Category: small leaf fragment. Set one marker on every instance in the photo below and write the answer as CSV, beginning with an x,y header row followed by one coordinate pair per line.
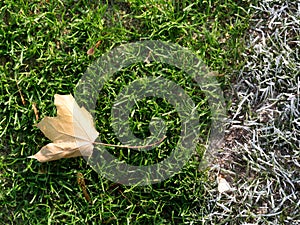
x,y
98,44
21,95
81,183
35,110
91,51
223,185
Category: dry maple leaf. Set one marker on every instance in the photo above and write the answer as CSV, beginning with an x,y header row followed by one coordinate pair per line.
x,y
72,131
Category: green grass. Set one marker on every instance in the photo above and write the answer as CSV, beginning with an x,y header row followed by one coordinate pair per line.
x,y
43,51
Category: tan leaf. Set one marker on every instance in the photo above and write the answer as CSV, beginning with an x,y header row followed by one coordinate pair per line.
x,y
72,131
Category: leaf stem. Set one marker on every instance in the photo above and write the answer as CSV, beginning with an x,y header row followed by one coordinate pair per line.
x,y
129,146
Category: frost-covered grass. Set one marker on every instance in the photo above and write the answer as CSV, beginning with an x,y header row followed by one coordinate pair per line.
x,y
263,139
